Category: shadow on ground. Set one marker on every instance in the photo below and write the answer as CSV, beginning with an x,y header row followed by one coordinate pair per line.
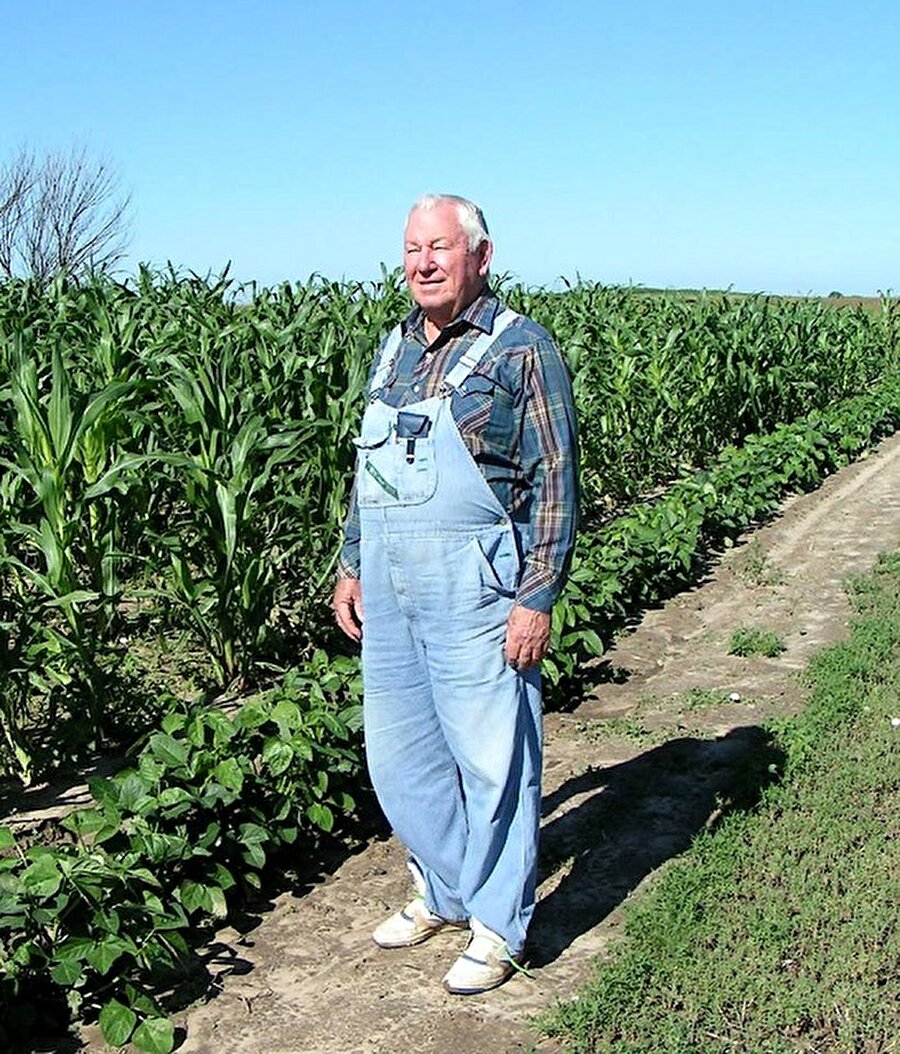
x,y
607,829
631,818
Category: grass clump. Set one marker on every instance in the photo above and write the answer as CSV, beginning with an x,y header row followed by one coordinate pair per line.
x,y
748,640
702,699
777,932
756,568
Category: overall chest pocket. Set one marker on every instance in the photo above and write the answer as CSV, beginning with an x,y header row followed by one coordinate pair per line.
x,y
396,466
483,406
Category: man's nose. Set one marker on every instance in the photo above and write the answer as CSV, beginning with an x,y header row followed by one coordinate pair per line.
x,y
425,260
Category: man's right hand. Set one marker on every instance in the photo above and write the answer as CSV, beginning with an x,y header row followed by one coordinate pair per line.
x,y
348,607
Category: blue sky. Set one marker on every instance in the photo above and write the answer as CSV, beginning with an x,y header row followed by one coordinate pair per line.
x,y
755,145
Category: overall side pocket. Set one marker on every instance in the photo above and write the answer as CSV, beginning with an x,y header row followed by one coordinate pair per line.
x,y
499,563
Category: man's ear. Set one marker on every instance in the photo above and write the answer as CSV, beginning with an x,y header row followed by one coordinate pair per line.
x,y
487,251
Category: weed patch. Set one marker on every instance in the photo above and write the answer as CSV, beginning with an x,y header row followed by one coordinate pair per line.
x,y
747,641
756,568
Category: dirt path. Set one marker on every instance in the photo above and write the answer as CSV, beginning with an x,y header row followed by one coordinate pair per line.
x,y
630,777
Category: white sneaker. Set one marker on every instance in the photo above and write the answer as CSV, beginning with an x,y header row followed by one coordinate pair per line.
x,y
411,925
485,964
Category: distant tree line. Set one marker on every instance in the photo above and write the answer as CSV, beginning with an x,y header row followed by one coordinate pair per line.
x,y
61,210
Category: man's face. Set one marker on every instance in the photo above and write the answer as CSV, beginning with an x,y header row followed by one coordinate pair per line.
x,y
443,275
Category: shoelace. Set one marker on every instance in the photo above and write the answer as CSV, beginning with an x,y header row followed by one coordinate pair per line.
x,y
519,968
502,951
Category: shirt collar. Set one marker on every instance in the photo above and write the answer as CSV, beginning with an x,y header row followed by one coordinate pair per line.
x,y
480,314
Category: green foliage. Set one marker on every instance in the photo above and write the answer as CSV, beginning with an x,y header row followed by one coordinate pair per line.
x,y
172,842
640,557
750,640
665,381
777,931
177,460
176,463
62,496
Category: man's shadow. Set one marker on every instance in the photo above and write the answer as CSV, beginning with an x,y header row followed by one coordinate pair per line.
x,y
633,817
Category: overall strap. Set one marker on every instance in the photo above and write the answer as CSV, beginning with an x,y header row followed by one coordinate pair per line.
x,y
386,359
470,359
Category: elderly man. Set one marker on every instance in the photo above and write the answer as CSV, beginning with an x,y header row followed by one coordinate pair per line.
x,y
456,546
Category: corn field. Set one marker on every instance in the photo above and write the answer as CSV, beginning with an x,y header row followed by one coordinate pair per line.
x,y
663,382
176,459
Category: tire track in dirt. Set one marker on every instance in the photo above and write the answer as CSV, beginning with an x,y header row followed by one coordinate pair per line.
x,y
308,979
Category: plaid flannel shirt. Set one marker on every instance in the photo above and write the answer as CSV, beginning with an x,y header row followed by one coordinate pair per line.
x,y
517,419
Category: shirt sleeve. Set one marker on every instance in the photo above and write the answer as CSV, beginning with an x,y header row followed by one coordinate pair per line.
x,y
348,561
549,453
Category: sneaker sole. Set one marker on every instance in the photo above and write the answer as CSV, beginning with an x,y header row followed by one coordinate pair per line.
x,y
480,988
420,938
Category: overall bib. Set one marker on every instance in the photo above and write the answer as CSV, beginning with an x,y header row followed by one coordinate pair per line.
x,y
453,733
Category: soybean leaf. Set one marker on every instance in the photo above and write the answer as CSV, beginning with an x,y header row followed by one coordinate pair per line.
x,y
154,1035
171,751
105,953
67,972
194,895
229,774
278,755
320,815
117,1023
42,878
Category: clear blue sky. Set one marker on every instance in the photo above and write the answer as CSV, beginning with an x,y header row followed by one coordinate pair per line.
x,y
672,144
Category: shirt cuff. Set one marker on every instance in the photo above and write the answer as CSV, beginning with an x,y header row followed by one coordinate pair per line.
x,y
345,569
539,588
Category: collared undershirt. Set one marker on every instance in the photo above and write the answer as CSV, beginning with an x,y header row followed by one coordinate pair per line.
x,y
516,416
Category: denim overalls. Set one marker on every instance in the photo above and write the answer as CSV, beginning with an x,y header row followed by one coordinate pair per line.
x,y
453,733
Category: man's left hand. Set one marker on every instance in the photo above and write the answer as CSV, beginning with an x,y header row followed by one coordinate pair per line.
x,y
527,637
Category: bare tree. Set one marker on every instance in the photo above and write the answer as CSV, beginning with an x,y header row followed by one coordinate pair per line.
x,y
63,211
16,184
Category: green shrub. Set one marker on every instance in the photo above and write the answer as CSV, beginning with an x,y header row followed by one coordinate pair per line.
x,y
749,640
172,842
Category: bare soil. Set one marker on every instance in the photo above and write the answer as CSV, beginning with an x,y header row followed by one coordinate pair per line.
x,y
631,775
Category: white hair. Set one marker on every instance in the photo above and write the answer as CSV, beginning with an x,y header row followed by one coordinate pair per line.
x,y
470,216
